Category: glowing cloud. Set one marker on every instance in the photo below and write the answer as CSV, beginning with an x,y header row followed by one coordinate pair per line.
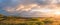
x,y
31,8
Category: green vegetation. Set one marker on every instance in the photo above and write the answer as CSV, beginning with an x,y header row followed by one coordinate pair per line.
x,y
15,20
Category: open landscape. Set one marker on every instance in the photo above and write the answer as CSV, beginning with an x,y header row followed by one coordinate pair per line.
x,y
29,12
13,20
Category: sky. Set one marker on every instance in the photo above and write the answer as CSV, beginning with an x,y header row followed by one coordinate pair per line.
x,y
29,8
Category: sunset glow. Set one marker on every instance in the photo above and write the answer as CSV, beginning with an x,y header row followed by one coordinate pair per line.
x,y
29,8
57,12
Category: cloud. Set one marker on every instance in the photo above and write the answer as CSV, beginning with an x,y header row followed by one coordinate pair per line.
x,y
26,7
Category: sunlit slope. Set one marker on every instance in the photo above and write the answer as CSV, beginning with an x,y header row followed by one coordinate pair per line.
x,y
20,20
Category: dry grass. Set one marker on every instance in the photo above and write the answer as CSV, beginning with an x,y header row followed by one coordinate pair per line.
x,y
27,21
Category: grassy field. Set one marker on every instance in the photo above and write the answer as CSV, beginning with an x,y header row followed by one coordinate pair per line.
x,y
17,20
28,21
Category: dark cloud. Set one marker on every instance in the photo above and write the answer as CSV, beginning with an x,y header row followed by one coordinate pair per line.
x,y
43,2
